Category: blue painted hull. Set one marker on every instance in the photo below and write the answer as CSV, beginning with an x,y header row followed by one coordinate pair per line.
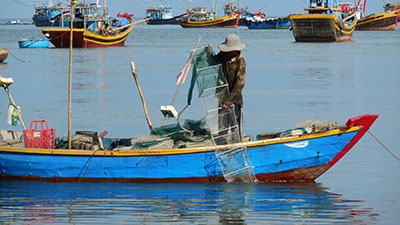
x,y
272,23
299,158
34,43
265,158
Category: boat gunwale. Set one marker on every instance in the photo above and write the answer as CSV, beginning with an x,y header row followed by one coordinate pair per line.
x,y
154,152
209,22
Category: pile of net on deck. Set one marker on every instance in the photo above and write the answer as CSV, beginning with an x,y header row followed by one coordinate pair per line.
x,y
193,133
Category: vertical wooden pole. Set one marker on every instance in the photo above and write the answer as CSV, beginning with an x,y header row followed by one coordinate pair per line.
x,y
146,112
71,40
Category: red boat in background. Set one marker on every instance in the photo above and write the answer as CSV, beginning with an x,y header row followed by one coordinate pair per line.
x,y
92,27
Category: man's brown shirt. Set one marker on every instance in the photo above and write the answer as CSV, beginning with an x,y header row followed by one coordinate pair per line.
x,y
235,72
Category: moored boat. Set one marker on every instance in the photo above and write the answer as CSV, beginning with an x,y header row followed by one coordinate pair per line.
x,y
50,15
324,22
161,15
275,159
382,21
33,43
230,9
3,54
92,28
199,18
197,151
259,21
391,6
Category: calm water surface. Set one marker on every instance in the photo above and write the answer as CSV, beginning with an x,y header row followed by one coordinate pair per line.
x,y
287,83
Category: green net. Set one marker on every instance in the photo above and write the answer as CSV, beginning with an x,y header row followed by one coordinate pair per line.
x,y
191,131
207,74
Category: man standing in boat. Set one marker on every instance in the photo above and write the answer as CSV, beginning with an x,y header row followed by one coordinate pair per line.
x,y
234,69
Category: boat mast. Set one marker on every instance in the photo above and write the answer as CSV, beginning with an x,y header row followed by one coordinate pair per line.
x,y
365,3
73,3
214,7
105,9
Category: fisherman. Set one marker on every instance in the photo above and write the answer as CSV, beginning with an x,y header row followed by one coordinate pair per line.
x,y
234,69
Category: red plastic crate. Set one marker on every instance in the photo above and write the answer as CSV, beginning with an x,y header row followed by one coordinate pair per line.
x,y
44,138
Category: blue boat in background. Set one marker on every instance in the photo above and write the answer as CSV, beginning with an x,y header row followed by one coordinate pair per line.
x,y
259,21
33,43
161,16
50,15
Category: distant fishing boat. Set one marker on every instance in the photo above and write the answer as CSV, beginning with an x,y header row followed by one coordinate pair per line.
x,y
92,28
382,21
161,15
324,22
50,15
3,54
260,21
231,9
33,43
199,18
391,6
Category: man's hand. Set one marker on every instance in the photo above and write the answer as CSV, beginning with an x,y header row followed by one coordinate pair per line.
x,y
209,49
225,106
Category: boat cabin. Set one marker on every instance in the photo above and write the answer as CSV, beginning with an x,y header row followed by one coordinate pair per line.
x,y
200,14
156,13
322,6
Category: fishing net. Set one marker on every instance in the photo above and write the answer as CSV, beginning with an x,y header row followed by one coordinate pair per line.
x,y
207,75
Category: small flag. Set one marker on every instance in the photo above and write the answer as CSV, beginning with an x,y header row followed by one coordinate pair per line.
x,y
180,79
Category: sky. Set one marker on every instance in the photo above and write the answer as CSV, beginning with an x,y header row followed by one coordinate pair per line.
x,y
13,9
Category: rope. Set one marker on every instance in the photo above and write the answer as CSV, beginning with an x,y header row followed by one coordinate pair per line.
x,y
16,57
387,149
87,164
19,2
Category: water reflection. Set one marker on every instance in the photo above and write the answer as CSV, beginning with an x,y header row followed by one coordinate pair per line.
x,y
177,203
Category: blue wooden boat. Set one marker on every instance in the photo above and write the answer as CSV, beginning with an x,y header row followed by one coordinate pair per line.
x,y
269,23
50,15
33,43
295,158
161,15
197,151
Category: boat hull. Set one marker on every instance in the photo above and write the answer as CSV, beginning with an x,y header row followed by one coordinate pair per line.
x,y
272,23
383,21
34,43
60,38
291,159
230,21
3,54
171,21
320,28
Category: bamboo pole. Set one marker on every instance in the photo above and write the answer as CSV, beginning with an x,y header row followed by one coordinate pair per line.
x,y
179,85
73,3
16,108
133,68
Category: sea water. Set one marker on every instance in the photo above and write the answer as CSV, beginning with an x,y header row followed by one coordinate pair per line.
x,y
287,84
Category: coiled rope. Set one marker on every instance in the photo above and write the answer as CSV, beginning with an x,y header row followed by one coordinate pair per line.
x,y
386,148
